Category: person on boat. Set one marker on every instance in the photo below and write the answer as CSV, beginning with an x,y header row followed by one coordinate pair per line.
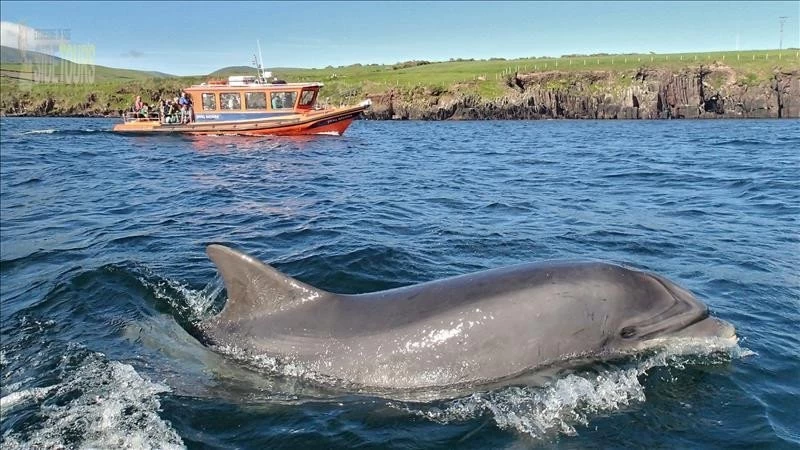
x,y
144,111
233,102
174,111
137,104
276,102
164,110
186,108
288,101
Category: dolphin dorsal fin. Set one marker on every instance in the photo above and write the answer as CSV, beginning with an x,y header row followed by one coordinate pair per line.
x,y
256,289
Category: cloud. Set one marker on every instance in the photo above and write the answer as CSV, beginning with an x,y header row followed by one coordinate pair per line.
x,y
132,54
23,37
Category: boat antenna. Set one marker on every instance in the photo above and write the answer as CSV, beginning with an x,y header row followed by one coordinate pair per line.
x,y
261,73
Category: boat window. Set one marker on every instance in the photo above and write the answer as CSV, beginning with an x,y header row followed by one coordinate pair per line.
x,y
230,100
281,100
307,97
209,102
255,100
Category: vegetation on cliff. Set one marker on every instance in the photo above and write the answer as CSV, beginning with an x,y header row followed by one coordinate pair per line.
x,y
570,86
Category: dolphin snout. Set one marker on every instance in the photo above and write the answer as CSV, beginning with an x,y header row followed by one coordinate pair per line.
x,y
709,327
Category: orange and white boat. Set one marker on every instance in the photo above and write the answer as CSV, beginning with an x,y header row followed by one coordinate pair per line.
x,y
250,106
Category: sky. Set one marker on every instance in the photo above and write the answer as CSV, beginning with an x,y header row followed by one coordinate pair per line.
x,y
189,38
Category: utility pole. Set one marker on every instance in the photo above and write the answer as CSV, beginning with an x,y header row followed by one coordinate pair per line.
x,y
782,20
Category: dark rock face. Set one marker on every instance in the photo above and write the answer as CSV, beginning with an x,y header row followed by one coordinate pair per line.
x,y
704,92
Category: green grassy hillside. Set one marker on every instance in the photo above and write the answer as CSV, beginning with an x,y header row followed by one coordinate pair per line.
x,y
486,77
109,89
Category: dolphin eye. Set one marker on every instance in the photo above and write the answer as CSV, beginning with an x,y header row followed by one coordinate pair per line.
x,y
628,332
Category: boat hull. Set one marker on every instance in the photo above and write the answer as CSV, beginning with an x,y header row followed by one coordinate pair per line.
x,y
333,122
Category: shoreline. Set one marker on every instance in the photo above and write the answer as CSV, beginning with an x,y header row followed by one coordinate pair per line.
x,y
698,92
563,119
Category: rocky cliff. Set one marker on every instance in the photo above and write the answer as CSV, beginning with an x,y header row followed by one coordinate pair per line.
x,y
713,91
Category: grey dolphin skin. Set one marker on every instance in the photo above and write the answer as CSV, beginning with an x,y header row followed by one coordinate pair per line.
x,y
466,330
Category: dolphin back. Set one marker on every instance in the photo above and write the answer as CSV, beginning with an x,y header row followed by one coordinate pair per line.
x,y
256,289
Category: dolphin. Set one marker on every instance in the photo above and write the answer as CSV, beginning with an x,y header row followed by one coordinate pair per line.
x,y
468,330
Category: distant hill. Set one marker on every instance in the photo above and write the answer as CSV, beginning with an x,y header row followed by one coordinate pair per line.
x,y
156,74
14,56
13,64
233,70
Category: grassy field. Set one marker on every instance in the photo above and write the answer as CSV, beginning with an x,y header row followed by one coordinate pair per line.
x,y
485,78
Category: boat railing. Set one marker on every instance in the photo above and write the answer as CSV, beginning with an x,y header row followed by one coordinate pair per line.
x,y
155,116
130,116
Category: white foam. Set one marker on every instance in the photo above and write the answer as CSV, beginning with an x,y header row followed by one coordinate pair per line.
x,y
100,405
48,131
573,400
17,398
3,359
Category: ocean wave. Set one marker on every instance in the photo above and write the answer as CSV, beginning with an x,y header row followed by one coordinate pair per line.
x,y
740,142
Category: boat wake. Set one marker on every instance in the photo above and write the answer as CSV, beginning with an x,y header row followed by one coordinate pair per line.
x,y
47,131
64,132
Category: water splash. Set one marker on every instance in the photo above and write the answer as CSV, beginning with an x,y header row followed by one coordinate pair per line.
x,y
575,399
194,305
101,404
201,302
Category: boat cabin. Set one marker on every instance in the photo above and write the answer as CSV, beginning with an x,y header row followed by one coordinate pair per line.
x,y
245,98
